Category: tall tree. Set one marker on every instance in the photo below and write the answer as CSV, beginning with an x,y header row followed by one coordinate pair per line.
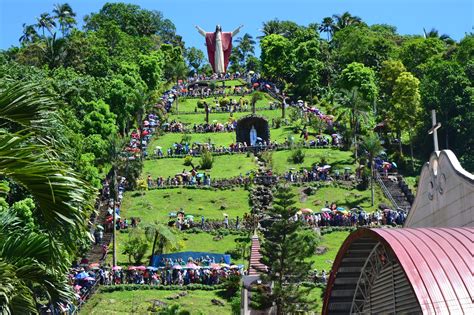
x,y
361,77
162,238
195,58
45,21
327,26
352,111
285,251
34,262
276,57
406,106
29,34
371,147
344,20
416,51
246,46
65,16
389,73
277,27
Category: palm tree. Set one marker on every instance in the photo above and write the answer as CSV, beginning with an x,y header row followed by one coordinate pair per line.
x,y
177,70
434,33
54,51
115,149
344,20
65,16
29,34
27,266
34,261
246,45
45,21
256,96
353,109
271,27
327,26
163,238
372,147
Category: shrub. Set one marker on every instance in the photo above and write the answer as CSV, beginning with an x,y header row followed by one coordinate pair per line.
x,y
277,122
297,156
206,160
224,101
231,286
188,161
200,104
186,138
136,246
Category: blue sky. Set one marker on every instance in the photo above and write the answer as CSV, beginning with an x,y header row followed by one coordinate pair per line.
x,y
452,17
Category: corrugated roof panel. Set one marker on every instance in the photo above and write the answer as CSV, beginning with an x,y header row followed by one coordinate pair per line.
x,y
438,263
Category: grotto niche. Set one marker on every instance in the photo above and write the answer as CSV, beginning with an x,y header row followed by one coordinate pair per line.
x,y
252,128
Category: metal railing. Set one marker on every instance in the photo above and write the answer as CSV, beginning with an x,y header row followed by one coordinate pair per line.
x,y
386,192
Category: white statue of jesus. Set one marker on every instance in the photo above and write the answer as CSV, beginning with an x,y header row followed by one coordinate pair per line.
x,y
253,136
219,46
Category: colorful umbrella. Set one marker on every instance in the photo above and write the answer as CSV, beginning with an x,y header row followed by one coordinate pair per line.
x,y
306,210
177,267
132,268
82,275
116,268
325,210
215,266
141,268
192,266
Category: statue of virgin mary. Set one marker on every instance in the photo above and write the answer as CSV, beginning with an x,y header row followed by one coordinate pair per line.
x,y
253,136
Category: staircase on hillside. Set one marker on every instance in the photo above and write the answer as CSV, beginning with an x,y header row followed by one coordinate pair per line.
x,y
396,190
95,253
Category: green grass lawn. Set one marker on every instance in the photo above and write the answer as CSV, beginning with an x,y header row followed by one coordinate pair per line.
x,y
156,204
200,118
203,242
347,198
317,301
224,166
332,241
336,158
190,104
139,302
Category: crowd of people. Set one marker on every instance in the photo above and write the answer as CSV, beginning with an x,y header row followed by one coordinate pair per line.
x,y
317,173
174,275
332,215
175,126
195,149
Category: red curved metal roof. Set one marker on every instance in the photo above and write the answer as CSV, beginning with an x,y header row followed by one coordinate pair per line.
x,y
437,262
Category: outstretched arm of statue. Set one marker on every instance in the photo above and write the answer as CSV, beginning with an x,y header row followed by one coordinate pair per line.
x,y
237,30
201,31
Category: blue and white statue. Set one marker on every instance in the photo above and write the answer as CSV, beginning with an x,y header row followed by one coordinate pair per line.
x,y
253,136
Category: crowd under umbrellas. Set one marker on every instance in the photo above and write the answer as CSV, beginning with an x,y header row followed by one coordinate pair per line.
x,y
84,277
334,215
